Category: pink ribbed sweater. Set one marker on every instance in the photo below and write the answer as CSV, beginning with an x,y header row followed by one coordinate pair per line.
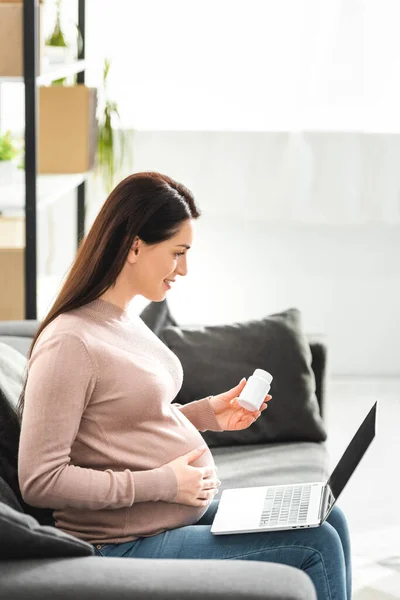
x,y
99,427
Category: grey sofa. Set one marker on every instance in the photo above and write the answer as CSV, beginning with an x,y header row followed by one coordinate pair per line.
x,y
250,465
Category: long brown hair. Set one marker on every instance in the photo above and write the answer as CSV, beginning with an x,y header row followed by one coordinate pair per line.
x,y
149,205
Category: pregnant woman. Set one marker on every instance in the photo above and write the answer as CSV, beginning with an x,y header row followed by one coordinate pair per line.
x,y
102,442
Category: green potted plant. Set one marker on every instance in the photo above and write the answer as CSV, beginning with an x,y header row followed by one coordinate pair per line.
x,y
112,145
57,49
64,44
8,155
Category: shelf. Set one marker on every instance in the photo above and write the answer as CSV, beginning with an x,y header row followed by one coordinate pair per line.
x,y
49,189
52,72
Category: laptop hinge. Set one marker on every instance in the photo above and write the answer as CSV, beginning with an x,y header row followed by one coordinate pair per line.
x,y
322,504
325,504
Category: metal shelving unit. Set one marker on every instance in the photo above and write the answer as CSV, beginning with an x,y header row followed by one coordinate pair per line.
x,y
41,190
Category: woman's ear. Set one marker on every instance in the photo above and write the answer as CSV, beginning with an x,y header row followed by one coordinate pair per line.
x,y
134,251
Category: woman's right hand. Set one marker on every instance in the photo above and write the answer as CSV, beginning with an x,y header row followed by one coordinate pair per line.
x,y
196,485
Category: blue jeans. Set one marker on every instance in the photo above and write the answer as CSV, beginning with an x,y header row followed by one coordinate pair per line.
x,y
321,552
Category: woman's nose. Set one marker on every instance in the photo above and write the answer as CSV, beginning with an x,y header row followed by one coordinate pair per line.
x,y
182,269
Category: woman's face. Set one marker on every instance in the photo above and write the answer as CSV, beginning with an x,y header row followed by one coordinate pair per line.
x,y
152,265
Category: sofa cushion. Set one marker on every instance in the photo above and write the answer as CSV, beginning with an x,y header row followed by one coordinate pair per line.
x,y
157,315
12,374
215,358
12,370
22,536
271,464
9,441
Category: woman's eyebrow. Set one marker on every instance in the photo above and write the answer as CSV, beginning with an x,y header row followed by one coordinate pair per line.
x,y
184,245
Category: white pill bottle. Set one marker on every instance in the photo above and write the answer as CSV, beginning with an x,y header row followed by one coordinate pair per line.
x,y
255,390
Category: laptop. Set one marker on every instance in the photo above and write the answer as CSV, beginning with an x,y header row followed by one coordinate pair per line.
x,y
291,506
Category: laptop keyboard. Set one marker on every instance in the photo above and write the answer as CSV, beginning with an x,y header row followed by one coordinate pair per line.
x,y
285,505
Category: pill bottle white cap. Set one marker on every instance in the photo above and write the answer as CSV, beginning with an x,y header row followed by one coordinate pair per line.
x,y
263,375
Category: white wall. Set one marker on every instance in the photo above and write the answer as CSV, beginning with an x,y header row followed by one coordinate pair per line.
x,y
345,282
344,279
268,239
332,248
250,65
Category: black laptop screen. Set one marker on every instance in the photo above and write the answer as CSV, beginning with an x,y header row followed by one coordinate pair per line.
x,y
354,453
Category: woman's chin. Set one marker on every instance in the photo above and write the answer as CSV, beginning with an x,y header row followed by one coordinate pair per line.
x,y
157,297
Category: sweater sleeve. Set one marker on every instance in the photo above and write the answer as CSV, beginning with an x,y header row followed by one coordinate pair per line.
x,y
61,380
200,413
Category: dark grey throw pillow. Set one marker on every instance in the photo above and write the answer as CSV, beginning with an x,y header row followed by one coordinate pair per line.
x,y
157,316
215,358
23,537
12,372
8,497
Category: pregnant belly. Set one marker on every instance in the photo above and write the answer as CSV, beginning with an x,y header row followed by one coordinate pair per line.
x,y
151,518
145,518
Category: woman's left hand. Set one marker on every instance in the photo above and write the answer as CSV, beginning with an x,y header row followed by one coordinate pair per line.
x,y
229,414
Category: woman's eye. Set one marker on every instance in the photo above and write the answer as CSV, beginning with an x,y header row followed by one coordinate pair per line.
x,y
179,253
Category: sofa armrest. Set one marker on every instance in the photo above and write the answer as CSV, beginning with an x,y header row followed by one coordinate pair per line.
x,y
26,328
109,578
319,359
18,334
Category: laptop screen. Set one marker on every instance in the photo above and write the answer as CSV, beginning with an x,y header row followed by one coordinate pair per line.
x,y
354,453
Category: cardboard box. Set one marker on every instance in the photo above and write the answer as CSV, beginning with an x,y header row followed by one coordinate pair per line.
x,y
67,129
12,268
12,232
12,298
12,41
